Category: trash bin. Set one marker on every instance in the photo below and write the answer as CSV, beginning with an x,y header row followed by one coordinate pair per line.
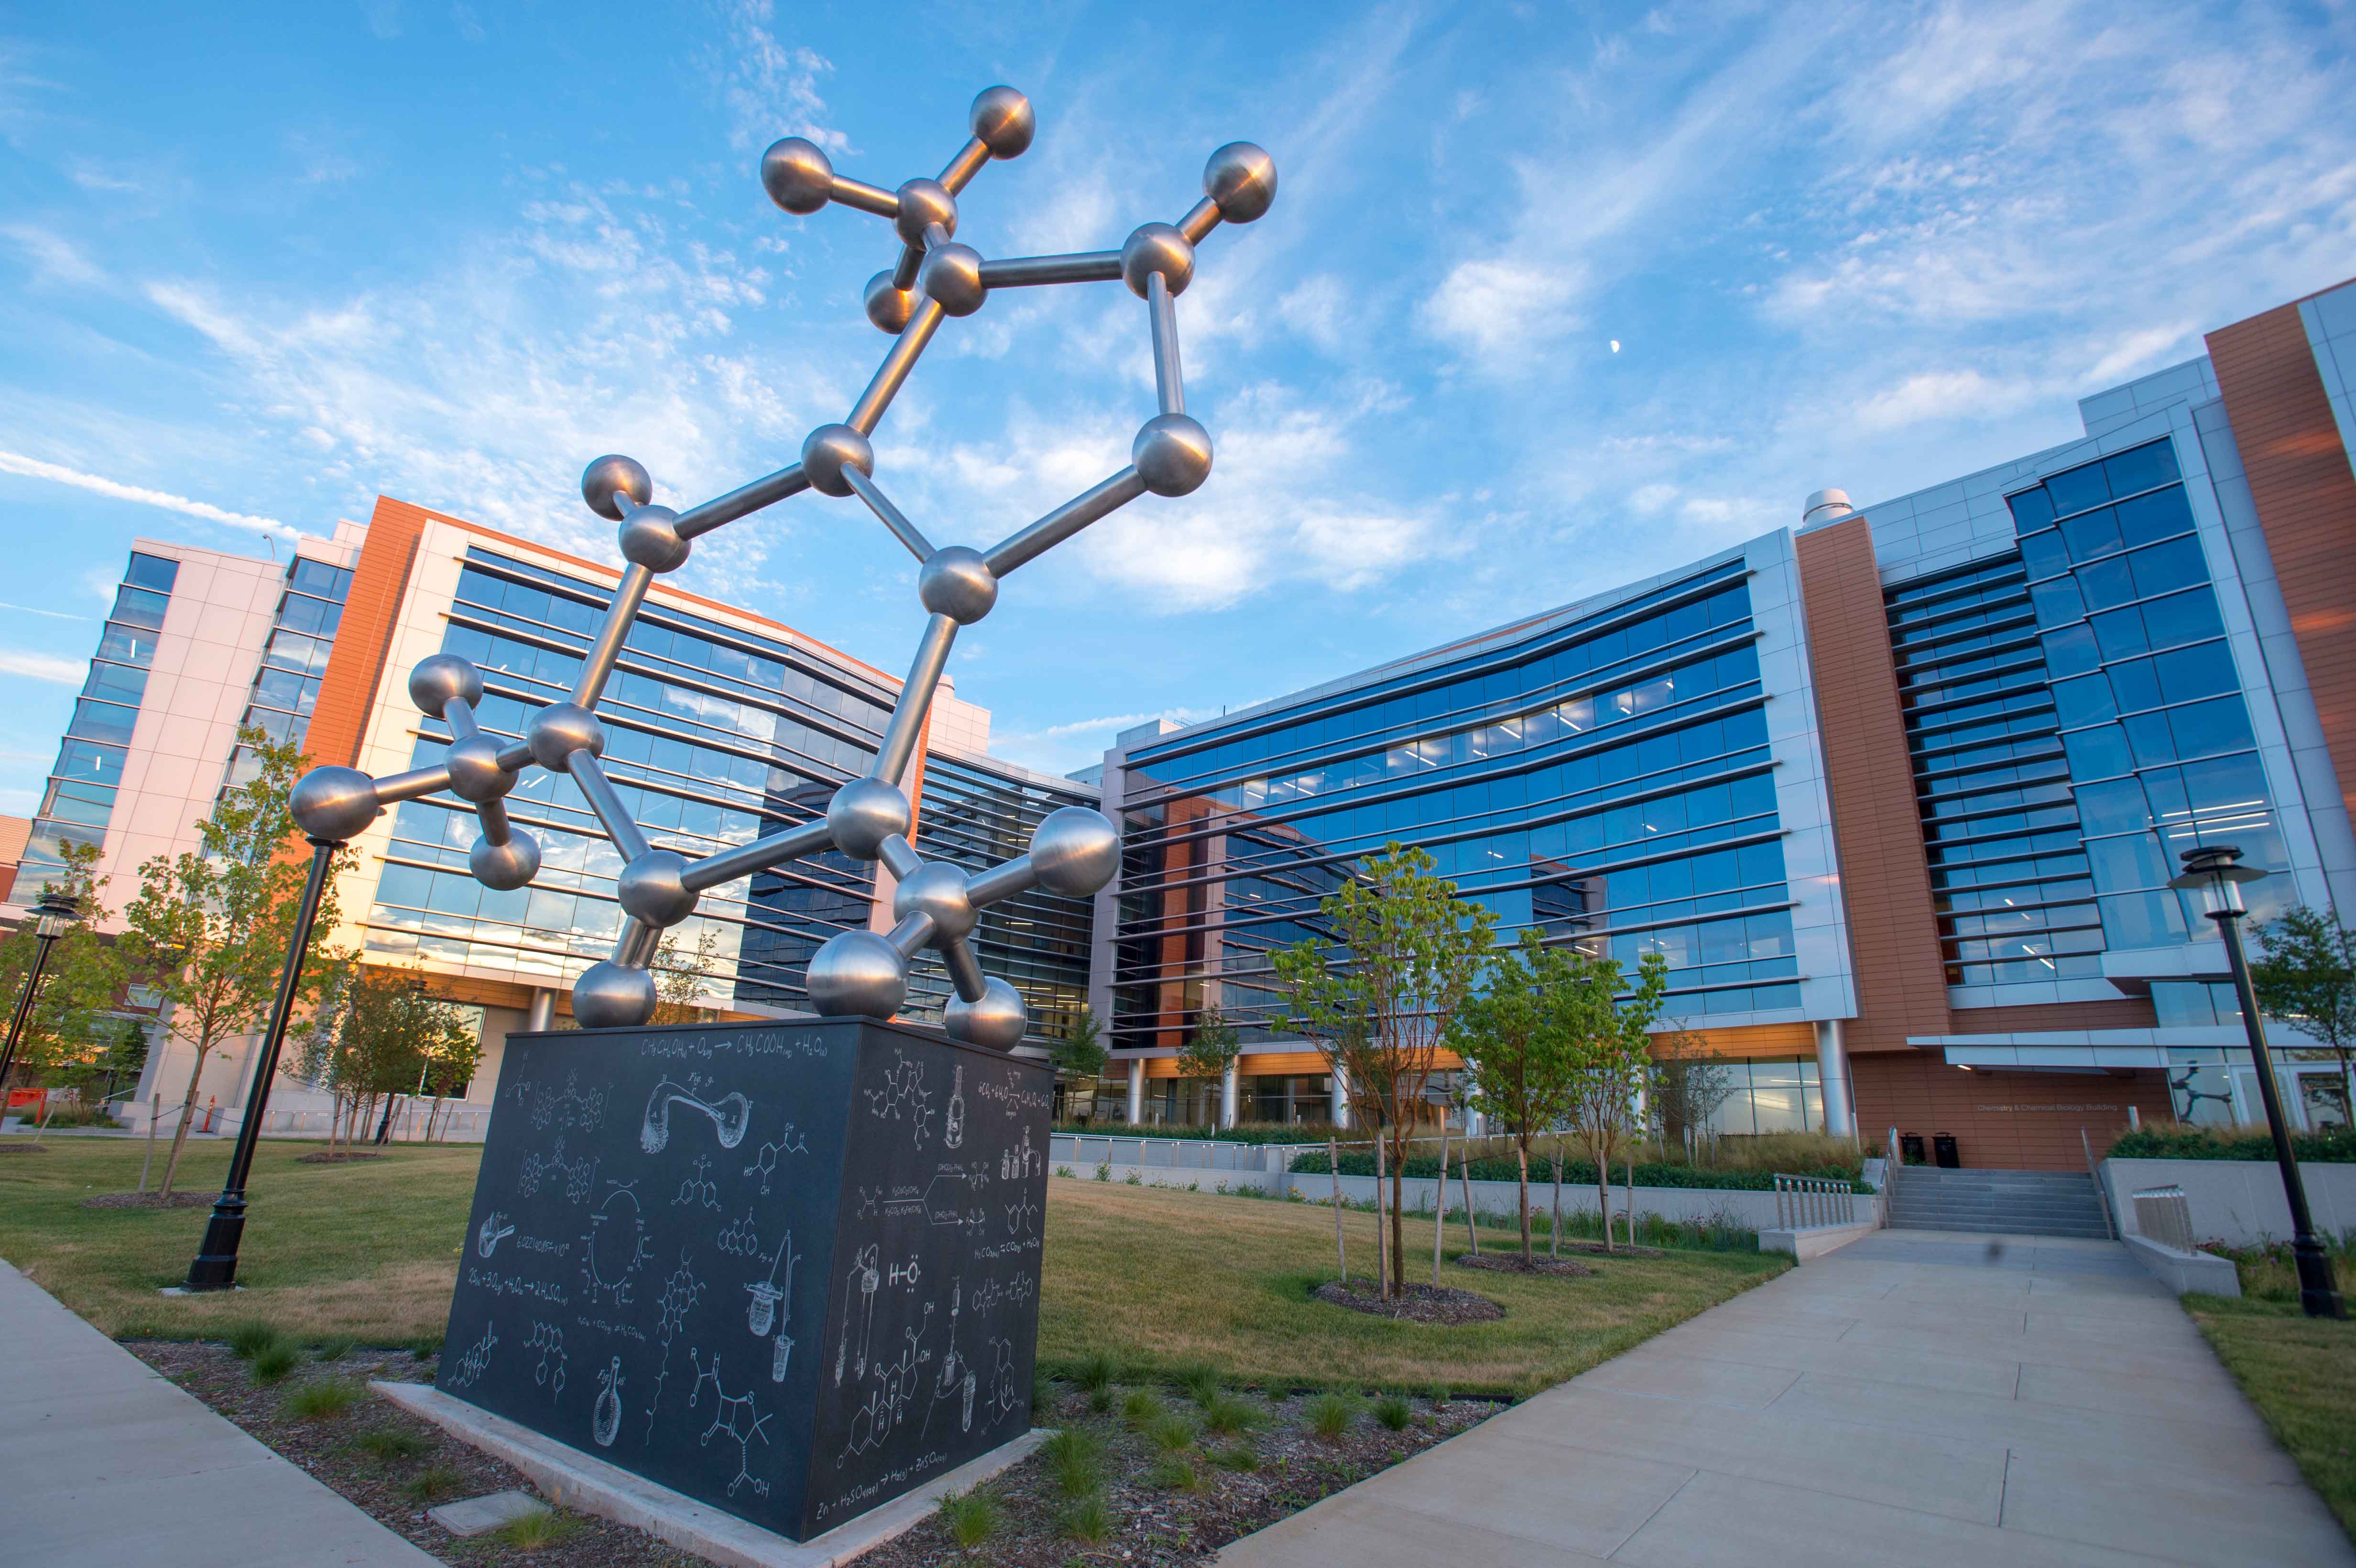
x,y
1945,1143
1910,1147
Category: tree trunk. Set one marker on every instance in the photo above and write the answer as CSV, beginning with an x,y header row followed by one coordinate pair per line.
x,y
1439,1202
188,1115
1603,1189
1522,1157
1382,1239
1629,1213
1398,1214
1472,1220
1341,1248
1554,1237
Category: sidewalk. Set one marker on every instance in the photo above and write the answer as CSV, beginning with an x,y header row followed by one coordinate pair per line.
x,y
1911,1397
108,1463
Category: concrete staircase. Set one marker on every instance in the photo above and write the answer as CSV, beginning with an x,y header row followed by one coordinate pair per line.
x,y
2006,1202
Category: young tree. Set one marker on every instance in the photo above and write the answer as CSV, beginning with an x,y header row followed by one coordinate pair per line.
x,y
678,980
209,930
1690,1081
74,1019
1210,1050
1079,1057
1407,951
381,1035
2308,978
1512,1039
1608,1048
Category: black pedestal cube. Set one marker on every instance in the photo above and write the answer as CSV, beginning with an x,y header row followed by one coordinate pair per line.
x,y
790,1270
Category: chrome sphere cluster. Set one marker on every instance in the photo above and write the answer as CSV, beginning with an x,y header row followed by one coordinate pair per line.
x,y
933,904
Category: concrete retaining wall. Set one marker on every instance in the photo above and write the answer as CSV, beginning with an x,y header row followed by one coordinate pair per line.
x,y
2236,1202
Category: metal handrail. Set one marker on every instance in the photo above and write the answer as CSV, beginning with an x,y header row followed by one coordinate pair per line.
x,y
1802,1201
2102,1194
2164,1214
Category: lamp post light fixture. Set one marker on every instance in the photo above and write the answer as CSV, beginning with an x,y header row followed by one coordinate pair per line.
x,y
53,912
2215,871
215,1264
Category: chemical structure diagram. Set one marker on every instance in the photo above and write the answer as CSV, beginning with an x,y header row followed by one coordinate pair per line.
x,y
580,1176
862,1280
1021,1217
699,1189
738,1238
569,1108
765,1164
680,1292
886,1405
477,1358
903,1097
549,1340
1074,850
734,1415
615,1248
957,1378
871,1200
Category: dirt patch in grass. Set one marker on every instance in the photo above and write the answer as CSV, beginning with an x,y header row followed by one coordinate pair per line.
x,y
395,1491
22,1148
338,1157
150,1201
1420,1304
1513,1263
1152,1517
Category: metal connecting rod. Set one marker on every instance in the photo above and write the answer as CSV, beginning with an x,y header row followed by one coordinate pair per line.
x,y
915,697
868,411
415,783
599,663
965,969
1001,882
907,532
1063,522
635,947
898,856
864,196
965,166
515,754
598,791
1025,271
493,816
760,855
910,935
697,521
1169,383
1200,219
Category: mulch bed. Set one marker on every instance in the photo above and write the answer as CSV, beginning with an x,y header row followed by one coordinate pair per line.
x,y
1513,1263
1421,1304
149,1200
325,1158
326,1447
1155,1521
1156,1525
22,1148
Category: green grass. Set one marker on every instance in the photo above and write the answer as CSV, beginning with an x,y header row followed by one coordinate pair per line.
x,y
1176,1472
537,1531
1142,1407
1171,1433
1393,1414
321,1398
970,1518
1224,1415
1075,1457
1089,1520
1175,1279
335,1348
1237,1456
251,1337
2300,1372
1200,1379
391,1443
1329,1414
433,1484
274,1361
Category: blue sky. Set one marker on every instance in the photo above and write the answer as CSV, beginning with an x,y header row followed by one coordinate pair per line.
x,y
259,265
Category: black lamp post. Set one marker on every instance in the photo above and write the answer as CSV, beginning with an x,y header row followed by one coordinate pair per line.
x,y
52,913
215,1267
2215,871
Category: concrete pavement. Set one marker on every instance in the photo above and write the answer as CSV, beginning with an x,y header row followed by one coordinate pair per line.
x,y
109,1463
1918,1397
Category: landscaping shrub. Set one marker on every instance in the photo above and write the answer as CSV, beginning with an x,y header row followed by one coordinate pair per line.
x,y
1075,1457
1393,1413
275,1361
1176,1472
391,1443
320,1398
2269,1273
433,1483
251,1337
1201,1382
1097,1372
1172,1433
1581,1173
537,1531
1241,1133
1089,1520
1227,1415
2335,1146
333,1348
1140,1407
1329,1414
1238,1456
970,1518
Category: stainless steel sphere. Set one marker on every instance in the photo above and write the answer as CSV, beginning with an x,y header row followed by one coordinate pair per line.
x,y
650,538
924,202
438,677
937,889
797,175
1172,453
956,583
608,996
651,888
1241,178
561,729
475,770
1157,248
827,449
611,474
951,276
857,973
1003,121
889,307
862,814
333,802
997,1021
1075,851
504,867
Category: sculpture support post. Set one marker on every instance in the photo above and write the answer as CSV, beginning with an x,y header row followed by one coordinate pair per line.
x,y
215,1266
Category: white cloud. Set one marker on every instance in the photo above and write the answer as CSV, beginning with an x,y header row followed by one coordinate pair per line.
x,y
34,468
52,614
1498,309
770,88
42,667
56,259
1066,748
1949,395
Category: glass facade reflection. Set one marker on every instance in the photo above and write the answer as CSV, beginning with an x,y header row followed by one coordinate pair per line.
x,y
295,661
1607,780
2156,732
80,796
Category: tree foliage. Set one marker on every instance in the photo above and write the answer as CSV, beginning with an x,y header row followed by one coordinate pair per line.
x,y
1690,1083
1610,1045
2306,978
1079,1056
381,1035
76,1024
209,929
678,980
1379,1000
1513,1038
1212,1049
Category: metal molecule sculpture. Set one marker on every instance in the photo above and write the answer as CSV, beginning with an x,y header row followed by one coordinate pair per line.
x,y
934,904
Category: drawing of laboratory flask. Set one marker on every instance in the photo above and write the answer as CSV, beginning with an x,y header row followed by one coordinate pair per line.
x,y
783,1353
762,1310
607,1417
953,1133
966,1424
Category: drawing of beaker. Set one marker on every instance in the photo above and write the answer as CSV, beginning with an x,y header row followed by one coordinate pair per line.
x,y
967,1425
762,1310
783,1353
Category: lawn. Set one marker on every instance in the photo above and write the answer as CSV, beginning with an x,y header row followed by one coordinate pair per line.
x,y
2299,1371
1157,1278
